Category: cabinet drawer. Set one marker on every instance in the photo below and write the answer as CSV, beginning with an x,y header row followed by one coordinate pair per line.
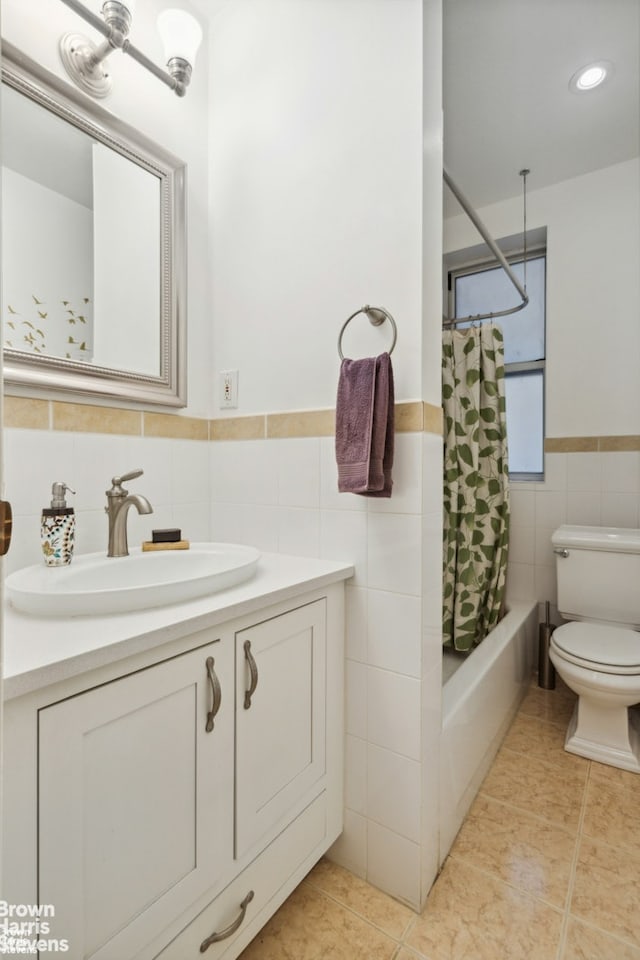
x,y
265,877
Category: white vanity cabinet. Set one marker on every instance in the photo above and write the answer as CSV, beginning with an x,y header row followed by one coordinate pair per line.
x,y
288,770
167,803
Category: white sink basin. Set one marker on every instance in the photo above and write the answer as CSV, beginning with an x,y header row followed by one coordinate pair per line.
x,y
96,584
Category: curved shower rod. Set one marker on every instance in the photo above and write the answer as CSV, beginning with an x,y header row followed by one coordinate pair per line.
x,y
495,249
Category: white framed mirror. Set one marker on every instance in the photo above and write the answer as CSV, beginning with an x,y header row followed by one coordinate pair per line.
x,y
93,247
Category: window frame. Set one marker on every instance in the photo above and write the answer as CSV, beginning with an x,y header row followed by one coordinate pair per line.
x,y
530,366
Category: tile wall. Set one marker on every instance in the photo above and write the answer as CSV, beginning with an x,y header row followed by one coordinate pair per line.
x,y
86,446
599,487
280,494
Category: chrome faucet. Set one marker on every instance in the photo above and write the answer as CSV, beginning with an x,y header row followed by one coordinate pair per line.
x,y
119,501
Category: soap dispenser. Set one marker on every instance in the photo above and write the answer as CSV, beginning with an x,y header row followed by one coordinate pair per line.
x,y
58,528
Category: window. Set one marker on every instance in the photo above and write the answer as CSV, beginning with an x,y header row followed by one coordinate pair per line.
x,y
486,288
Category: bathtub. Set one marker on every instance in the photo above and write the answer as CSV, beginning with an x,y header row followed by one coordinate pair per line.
x,y
479,701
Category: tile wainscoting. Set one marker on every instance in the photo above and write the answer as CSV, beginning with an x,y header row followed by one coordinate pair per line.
x,y
278,490
35,414
588,480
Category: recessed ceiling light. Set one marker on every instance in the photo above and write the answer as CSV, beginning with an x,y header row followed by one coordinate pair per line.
x,y
591,76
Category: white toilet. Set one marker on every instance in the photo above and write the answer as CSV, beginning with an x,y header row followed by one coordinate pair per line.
x,y
598,654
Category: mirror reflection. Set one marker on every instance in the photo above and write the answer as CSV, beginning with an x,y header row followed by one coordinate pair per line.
x,y
47,233
77,217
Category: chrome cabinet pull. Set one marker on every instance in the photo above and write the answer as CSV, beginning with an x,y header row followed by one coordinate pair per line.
x,y
253,671
216,693
231,929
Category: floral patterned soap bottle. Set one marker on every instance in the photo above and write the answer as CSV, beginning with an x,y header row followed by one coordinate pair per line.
x,y
58,528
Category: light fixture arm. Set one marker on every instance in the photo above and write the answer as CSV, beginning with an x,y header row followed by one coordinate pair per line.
x,y
177,65
115,27
81,57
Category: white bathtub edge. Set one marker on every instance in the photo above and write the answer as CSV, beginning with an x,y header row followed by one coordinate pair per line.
x,y
478,705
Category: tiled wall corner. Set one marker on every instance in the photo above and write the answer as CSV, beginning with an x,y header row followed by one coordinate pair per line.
x,y
393,863
281,494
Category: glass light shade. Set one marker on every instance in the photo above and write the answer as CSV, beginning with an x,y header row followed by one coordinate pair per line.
x,y
181,35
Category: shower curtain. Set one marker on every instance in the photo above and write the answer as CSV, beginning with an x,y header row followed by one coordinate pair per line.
x,y
476,484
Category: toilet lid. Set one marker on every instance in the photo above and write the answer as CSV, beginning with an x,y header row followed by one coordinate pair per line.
x,y
600,645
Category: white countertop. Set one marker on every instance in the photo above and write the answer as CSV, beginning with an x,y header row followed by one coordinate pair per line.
x,y
40,651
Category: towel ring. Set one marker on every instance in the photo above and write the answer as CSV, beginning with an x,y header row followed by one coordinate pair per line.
x,y
377,316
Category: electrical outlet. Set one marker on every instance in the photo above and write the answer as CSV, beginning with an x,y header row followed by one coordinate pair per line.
x,y
228,389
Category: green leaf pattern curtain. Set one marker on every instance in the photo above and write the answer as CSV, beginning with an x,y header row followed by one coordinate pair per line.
x,y
476,484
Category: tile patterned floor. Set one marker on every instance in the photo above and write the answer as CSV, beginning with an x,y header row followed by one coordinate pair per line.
x,y
545,867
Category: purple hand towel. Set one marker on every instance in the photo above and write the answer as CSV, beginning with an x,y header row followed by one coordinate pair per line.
x,y
365,426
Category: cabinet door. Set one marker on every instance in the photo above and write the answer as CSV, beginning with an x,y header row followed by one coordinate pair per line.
x,y
280,720
136,801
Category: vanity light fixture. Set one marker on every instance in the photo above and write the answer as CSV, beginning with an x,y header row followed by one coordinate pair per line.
x,y
85,61
591,76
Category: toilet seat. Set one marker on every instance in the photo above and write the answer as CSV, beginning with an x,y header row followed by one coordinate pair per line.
x,y
614,650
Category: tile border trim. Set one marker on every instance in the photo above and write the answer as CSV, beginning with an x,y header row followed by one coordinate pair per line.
x,y
413,416
84,418
26,413
30,413
612,444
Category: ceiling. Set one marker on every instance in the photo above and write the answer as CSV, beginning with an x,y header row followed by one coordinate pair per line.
x,y
507,103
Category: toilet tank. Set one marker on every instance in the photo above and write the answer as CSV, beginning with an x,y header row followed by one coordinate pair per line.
x,y
598,574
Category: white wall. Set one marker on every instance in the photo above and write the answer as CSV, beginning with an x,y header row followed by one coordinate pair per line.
x,y
593,292
175,481
315,192
317,208
179,125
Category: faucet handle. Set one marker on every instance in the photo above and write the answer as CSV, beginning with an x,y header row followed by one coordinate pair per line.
x,y
118,481
117,490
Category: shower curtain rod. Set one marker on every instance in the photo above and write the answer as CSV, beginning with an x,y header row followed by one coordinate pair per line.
x,y
495,249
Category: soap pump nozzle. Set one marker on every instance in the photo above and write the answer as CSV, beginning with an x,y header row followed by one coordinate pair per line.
x,y
58,495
